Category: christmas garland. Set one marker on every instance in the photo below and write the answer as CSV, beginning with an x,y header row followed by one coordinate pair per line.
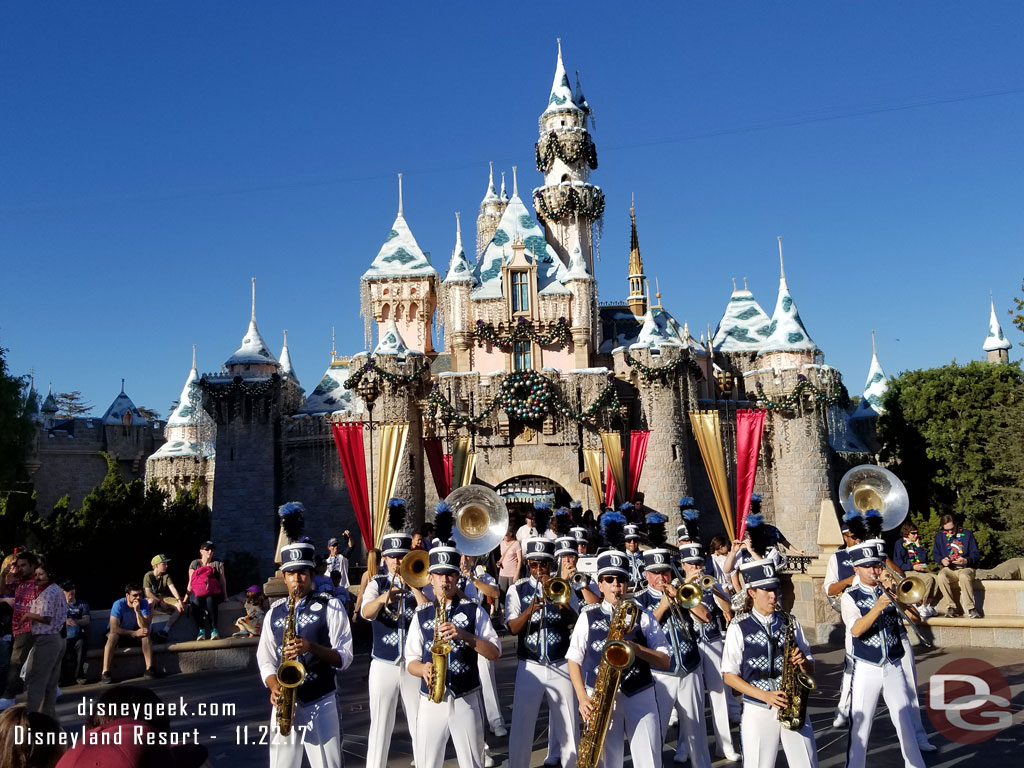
x,y
790,401
525,396
219,390
522,330
650,372
572,203
396,379
579,145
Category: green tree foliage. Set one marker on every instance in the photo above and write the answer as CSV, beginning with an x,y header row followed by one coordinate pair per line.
x,y
71,405
1018,312
110,539
954,434
16,427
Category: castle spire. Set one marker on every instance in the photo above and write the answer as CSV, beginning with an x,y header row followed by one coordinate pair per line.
x,y
253,316
286,360
561,98
637,300
491,195
782,266
996,345
193,357
459,269
515,183
744,325
870,404
504,194
786,332
399,194
253,350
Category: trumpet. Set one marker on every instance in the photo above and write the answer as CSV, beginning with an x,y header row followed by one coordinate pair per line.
x,y
581,580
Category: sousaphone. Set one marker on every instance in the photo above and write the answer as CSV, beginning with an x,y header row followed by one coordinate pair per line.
x,y
872,487
481,519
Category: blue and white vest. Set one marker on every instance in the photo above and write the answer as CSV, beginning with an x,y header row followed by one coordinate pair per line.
x,y
391,625
681,640
762,661
545,638
843,568
463,673
311,624
883,640
711,631
637,677
636,567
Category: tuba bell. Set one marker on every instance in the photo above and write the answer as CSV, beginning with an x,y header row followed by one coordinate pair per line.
x,y
481,519
871,487
413,569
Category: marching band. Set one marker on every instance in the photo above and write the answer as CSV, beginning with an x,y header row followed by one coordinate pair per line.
x,y
618,652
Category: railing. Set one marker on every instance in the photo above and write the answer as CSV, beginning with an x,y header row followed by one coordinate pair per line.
x,y
795,563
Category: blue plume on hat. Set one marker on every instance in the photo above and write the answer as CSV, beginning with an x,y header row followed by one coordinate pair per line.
x,y
576,504
613,528
855,522
396,514
444,520
758,533
873,524
686,502
562,521
541,516
691,520
293,519
656,528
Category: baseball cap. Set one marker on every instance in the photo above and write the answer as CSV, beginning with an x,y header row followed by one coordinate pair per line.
x,y
157,559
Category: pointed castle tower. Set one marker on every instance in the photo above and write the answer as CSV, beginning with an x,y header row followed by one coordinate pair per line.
x,y
637,299
996,346
491,208
455,289
401,285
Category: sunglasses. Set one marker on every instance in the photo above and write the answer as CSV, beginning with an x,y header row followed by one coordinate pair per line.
x,y
613,579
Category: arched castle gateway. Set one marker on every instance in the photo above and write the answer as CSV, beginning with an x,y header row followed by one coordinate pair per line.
x,y
532,368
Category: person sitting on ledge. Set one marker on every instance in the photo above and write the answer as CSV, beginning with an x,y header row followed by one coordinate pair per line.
x,y
129,624
957,552
1012,569
910,556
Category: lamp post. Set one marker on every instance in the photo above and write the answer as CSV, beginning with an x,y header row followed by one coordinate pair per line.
x,y
368,391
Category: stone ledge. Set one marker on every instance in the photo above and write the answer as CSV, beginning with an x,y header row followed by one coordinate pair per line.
x,y
986,621
180,658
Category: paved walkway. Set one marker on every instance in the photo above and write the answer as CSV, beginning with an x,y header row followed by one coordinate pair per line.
x,y
221,732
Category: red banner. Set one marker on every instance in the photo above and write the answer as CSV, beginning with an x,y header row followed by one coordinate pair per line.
x,y
749,428
609,486
348,437
440,465
637,453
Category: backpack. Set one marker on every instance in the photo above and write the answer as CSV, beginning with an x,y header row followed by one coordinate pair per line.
x,y
204,581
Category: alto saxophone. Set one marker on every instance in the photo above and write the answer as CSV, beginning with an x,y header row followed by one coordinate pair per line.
x,y
290,673
617,657
797,685
439,651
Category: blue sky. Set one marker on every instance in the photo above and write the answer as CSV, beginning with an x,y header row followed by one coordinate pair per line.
x,y
155,156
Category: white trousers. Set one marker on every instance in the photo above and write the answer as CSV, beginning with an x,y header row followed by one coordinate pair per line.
x,y
888,680
535,683
489,691
909,666
463,719
686,695
388,683
761,733
725,707
634,718
316,730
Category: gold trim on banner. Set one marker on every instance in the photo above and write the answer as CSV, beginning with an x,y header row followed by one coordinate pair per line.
x,y
389,459
708,431
612,442
592,461
463,462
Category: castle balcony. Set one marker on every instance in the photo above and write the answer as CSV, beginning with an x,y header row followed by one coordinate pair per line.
x,y
567,198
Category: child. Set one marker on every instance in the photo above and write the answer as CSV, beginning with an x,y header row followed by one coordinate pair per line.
x,y
255,607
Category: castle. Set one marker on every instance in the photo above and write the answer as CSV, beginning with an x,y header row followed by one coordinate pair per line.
x,y
532,370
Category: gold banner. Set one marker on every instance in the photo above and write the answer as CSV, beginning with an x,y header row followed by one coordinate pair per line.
x,y
592,461
612,442
390,451
463,462
708,431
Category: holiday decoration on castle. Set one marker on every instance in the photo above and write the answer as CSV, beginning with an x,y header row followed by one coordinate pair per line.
x,y
569,148
403,381
219,390
590,206
522,330
804,389
651,372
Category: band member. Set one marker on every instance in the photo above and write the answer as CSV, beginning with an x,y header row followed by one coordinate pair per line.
x,y
567,557
543,630
680,687
635,557
838,577
580,535
322,644
467,628
957,552
874,626
711,643
476,584
389,607
635,709
689,529
753,665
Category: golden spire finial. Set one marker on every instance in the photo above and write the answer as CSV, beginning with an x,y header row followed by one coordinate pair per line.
x,y
657,291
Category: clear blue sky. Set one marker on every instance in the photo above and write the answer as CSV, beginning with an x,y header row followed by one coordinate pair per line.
x,y
154,156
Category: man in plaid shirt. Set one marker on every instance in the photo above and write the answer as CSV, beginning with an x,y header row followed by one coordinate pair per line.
x,y
25,591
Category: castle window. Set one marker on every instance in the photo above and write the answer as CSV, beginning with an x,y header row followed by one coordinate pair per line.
x,y
521,357
520,292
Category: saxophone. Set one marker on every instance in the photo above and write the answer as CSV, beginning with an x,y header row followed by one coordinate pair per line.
x,y
617,657
439,651
290,673
796,684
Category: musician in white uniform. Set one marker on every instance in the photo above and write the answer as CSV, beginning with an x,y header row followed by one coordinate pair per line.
x,y
476,584
753,665
322,644
634,714
877,648
636,557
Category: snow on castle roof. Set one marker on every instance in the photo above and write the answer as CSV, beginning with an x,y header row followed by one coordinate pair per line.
x,y
870,404
995,339
189,412
330,395
400,255
660,329
786,332
392,343
115,415
254,350
459,270
286,361
744,325
561,98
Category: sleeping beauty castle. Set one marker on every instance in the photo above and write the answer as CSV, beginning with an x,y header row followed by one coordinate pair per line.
x,y
539,390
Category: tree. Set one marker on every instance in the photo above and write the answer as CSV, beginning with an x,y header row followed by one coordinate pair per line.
x,y
17,430
1018,316
954,436
148,413
71,404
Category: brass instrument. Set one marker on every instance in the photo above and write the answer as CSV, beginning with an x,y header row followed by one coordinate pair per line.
x,y
796,684
439,651
557,591
906,590
617,657
290,673
870,487
413,570
581,580
689,596
481,519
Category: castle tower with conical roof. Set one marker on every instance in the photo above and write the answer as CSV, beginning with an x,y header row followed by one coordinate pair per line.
x,y
491,208
637,299
455,289
996,346
253,358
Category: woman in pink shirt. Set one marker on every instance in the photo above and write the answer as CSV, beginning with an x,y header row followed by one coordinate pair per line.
x,y
508,563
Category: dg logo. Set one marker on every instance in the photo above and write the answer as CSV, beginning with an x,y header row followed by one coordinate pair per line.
x,y
616,561
443,558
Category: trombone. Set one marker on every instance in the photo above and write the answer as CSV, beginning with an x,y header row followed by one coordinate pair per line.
x,y
906,590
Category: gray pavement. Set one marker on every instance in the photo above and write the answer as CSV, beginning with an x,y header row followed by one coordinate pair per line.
x,y
223,733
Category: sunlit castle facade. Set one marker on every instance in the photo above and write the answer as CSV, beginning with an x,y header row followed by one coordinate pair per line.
x,y
532,370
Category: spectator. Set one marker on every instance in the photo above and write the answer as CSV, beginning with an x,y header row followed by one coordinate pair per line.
x,y
22,579
1008,569
719,552
427,534
957,552
255,608
321,581
129,625
336,560
526,531
509,563
46,615
207,586
162,595
910,557
417,541
372,569
73,664
339,590
15,752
